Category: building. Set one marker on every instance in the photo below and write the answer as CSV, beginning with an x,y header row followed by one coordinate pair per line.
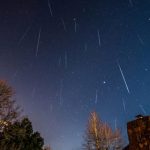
x,y
139,133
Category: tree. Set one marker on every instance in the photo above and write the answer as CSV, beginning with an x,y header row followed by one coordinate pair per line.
x,y
100,136
20,136
9,111
47,148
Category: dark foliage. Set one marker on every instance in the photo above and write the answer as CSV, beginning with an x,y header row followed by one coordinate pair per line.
x,y
20,136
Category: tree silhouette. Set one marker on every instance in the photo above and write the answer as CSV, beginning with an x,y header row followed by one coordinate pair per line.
x,y
100,136
20,136
9,111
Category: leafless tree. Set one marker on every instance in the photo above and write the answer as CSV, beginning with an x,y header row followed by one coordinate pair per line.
x,y
100,136
9,111
47,148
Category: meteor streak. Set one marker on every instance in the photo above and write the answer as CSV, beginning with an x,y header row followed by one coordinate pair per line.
x,y
123,77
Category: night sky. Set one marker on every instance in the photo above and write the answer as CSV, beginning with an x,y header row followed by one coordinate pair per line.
x,y
66,58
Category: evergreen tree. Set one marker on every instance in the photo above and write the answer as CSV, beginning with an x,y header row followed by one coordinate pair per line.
x,y
20,136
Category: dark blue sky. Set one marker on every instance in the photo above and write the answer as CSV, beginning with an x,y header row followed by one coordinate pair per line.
x,y
62,57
